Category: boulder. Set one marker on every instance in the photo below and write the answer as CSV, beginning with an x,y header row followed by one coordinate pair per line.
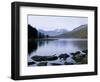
x,y
80,59
77,58
85,51
44,58
68,63
72,53
63,56
42,64
77,52
55,64
31,63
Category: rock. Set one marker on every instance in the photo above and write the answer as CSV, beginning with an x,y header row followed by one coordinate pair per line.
x,y
44,58
84,60
55,64
77,58
85,51
31,63
42,64
78,52
80,59
83,55
68,63
63,56
72,53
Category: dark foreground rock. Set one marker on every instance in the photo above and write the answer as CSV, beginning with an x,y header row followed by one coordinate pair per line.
x,y
63,56
81,58
77,52
42,64
44,58
31,63
84,60
85,51
68,63
55,64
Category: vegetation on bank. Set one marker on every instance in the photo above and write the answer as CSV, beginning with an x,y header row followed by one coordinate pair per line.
x,y
34,34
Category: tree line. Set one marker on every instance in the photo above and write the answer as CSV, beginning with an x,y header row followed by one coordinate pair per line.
x,y
34,33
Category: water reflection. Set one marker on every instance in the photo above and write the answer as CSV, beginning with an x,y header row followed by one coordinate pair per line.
x,y
64,45
33,45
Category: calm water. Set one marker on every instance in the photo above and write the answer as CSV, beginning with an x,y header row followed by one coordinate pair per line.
x,y
56,47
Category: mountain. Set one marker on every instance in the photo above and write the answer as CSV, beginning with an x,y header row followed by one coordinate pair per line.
x,y
53,32
79,32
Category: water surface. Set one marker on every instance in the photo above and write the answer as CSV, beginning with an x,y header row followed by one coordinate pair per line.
x,y
55,47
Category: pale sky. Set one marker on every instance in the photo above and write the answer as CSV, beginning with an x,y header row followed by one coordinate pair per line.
x,y
56,22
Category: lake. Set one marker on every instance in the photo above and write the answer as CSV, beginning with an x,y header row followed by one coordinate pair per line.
x,y
55,47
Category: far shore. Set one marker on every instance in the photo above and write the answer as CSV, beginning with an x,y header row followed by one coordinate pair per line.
x,y
58,38
43,39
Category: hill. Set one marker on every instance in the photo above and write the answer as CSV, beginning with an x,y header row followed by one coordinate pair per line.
x,y
79,32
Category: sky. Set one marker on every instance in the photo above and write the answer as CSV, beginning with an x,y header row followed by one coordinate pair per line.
x,y
56,22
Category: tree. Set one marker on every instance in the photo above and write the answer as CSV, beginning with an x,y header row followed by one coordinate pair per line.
x,y
32,32
47,36
40,35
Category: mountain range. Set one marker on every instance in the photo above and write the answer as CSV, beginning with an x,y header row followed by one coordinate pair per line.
x,y
79,32
53,32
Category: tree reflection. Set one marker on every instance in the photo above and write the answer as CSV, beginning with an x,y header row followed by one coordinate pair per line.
x,y
32,46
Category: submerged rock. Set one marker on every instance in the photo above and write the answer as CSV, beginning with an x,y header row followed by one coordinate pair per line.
x,y
31,63
44,58
42,64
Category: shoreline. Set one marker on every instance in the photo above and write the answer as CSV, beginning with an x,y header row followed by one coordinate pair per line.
x,y
59,38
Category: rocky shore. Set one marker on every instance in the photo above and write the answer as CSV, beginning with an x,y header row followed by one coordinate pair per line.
x,y
80,57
